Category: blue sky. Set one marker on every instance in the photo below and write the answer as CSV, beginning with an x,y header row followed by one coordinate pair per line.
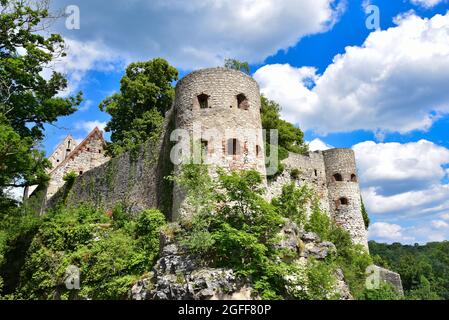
x,y
383,93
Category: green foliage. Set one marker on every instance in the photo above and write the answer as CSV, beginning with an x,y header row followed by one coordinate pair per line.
x,y
290,137
27,100
321,280
319,222
18,226
70,177
236,228
110,254
351,259
295,173
293,201
385,292
137,112
365,215
237,65
423,268
20,163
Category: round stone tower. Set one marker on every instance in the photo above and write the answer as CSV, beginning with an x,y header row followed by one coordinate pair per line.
x,y
344,193
220,110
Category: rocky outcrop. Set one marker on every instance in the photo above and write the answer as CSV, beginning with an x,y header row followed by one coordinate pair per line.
x,y
179,276
308,245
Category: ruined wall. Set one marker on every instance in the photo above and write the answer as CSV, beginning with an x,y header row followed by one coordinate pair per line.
x,y
341,199
134,179
311,172
88,156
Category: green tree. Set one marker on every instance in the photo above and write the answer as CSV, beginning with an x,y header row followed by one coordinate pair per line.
x,y
365,215
290,137
28,101
137,111
237,65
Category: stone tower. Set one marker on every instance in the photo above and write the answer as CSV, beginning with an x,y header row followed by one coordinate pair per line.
x,y
344,192
220,109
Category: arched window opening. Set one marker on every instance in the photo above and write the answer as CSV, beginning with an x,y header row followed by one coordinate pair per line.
x,y
81,172
344,201
353,178
316,173
233,147
338,177
242,102
203,101
258,149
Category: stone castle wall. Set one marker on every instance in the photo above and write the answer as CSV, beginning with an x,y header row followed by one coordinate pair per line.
x,y
137,180
317,170
134,180
348,215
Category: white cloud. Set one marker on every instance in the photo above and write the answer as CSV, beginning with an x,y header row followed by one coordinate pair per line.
x,y
88,126
199,33
445,216
422,232
86,105
81,58
387,232
395,82
427,3
403,180
440,224
401,165
319,145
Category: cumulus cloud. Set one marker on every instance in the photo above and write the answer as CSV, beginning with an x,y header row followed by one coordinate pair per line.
x,y
422,232
319,145
88,126
387,232
440,224
403,180
395,82
81,58
427,3
401,167
200,33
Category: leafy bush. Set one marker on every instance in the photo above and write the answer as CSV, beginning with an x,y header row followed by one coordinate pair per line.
x,y
385,292
109,255
319,222
295,173
293,201
351,259
321,280
239,231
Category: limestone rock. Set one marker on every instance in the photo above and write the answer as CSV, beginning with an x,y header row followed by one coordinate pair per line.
x,y
178,276
310,237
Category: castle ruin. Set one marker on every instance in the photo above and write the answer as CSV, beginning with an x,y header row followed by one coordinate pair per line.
x,y
222,104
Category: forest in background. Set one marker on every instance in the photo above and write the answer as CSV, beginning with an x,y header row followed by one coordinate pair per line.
x,y
424,269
